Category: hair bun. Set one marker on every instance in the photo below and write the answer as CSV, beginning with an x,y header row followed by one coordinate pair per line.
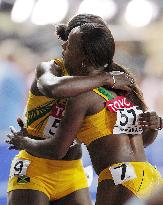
x,y
61,31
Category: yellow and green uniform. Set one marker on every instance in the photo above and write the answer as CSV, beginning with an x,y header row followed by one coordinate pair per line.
x,y
144,177
97,125
43,114
55,178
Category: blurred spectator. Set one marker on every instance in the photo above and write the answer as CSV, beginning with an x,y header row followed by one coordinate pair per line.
x,y
12,92
12,95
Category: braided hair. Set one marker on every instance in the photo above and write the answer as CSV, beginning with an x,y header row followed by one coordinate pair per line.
x,y
78,20
98,46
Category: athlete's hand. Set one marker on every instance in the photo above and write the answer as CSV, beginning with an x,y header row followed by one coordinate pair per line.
x,y
23,130
122,81
15,139
150,120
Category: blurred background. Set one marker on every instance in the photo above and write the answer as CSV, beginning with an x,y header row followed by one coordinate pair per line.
x,y
27,36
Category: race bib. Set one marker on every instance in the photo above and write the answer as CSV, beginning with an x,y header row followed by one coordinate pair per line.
x,y
53,121
122,173
127,116
127,121
19,167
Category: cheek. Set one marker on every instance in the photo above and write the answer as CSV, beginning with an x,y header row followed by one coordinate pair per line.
x,y
66,56
71,58
68,61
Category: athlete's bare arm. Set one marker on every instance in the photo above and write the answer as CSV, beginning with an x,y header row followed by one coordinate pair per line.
x,y
52,84
57,146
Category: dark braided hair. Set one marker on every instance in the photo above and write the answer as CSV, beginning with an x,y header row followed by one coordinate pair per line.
x,y
64,30
97,44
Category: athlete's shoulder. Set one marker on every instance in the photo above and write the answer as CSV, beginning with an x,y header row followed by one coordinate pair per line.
x,y
105,93
83,101
34,89
53,66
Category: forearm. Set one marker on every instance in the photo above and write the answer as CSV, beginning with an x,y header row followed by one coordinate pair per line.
x,y
68,86
40,148
149,136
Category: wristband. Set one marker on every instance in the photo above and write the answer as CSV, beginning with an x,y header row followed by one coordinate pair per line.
x,y
113,73
114,82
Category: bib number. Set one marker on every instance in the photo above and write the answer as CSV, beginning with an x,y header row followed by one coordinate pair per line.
x,y
53,121
127,121
122,173
51,127
19,167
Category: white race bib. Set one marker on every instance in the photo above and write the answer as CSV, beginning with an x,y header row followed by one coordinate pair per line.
x,y
51,126
19,167
127,121
122,173
53,121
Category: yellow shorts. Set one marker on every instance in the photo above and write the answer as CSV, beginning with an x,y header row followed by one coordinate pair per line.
x,y
141,177
55,178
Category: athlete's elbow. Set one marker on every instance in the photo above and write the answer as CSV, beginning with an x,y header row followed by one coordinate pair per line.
x,y
147,142
40,70
50,86
43,89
